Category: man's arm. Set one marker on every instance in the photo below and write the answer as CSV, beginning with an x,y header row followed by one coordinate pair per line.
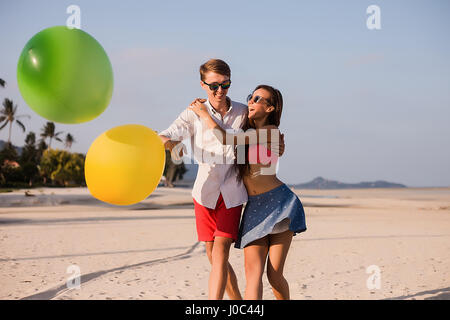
x,y
182,128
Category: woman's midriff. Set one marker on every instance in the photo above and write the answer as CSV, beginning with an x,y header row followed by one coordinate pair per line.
x,y
261,183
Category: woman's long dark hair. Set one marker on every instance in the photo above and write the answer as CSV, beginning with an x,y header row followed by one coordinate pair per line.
x,y
276,100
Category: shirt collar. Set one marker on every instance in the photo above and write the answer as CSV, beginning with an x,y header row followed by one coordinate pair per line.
x,y
208,104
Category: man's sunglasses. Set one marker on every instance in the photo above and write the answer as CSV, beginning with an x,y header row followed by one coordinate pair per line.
x,y
215,86
256,99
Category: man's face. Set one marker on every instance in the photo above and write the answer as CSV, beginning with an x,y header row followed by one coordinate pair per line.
x,y
219,95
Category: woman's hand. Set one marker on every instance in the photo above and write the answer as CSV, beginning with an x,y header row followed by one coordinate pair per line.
x,y
200,100
199,108
282,145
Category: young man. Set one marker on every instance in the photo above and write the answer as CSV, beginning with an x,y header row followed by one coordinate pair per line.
x,y
218,197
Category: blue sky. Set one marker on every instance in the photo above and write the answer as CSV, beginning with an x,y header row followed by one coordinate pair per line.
x,y
360,105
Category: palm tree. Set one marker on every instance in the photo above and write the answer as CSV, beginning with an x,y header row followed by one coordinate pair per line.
x,y
41,147
29,151
69,141
48,131
30,139
8,115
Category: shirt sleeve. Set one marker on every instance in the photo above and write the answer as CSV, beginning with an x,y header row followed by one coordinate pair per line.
x,y
182,128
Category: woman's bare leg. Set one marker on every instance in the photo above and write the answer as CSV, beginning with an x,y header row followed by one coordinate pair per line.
x,y
279,244
255,259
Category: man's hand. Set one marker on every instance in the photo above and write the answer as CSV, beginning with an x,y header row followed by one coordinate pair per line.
x,y
177,153
169,144
176,148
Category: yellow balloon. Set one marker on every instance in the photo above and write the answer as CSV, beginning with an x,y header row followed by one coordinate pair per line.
x,y
124,164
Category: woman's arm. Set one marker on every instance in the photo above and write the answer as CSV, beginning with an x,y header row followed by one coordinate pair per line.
x,y
202,111
263,135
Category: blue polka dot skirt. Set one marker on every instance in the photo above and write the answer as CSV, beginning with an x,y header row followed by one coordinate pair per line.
x,y
267,211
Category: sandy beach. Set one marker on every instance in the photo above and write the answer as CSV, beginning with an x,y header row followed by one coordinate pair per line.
x,y
150,250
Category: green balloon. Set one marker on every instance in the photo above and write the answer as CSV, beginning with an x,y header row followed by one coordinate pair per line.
x,y
65,75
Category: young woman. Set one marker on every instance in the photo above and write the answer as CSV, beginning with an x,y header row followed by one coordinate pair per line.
x,y
273,213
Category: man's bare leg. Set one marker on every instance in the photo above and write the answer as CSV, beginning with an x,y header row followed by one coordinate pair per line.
x,y
231,288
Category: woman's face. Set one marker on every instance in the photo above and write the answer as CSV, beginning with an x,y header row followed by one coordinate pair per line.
x,y
259,105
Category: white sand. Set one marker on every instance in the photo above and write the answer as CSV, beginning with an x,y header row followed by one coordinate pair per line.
x,y
150,250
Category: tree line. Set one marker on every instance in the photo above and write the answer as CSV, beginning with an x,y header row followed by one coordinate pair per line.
x,y
38,164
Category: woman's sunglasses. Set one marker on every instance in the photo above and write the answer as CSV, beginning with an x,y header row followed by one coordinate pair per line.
x,y
256,99
215,86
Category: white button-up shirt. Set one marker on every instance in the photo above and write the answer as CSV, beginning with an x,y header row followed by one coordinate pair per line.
x,y
215,161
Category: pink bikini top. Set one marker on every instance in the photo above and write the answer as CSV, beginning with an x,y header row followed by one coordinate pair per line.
x,y
259,154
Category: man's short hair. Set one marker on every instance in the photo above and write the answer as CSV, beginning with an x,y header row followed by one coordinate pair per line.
x,y
216,66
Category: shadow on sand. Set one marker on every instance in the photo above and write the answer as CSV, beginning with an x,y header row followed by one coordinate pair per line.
x,y
12,221
439,294
52,293
44,200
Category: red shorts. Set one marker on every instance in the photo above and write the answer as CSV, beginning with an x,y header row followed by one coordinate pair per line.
x,y
220,221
